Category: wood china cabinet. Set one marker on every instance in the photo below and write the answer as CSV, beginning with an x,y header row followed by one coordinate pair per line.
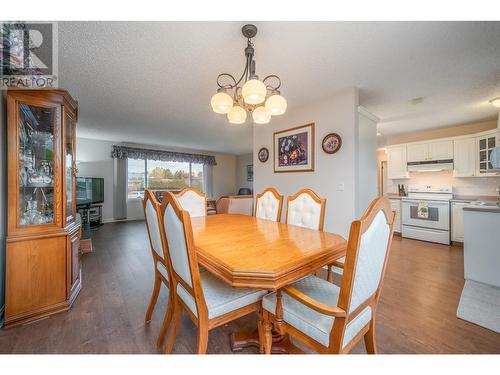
x,y
43,272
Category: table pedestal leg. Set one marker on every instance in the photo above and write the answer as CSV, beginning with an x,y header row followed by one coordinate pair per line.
x,y
281,344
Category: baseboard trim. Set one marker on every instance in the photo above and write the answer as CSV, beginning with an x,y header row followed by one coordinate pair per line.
x,y
107,221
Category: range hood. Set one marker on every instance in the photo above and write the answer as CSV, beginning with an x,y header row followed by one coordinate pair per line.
x,y
431,166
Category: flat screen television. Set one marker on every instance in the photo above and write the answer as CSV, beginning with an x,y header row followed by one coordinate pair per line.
x,y
89,190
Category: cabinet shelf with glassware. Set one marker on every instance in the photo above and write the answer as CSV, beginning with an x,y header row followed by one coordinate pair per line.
x,y
484,146
43,263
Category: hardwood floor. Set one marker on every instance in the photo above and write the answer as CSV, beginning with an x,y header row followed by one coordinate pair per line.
x,y
416,312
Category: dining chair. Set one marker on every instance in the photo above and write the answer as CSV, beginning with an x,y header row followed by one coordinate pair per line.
x,y
306,209
161,273
328,318
193,201
339,264
208,301
241,204
269,204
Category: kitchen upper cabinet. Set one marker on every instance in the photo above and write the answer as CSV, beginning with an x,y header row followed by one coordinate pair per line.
x,y
484,145
418,152
442,150
396,162
457,221
464,157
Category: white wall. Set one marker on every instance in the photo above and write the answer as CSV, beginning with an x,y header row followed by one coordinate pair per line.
x,y
3,199
241,171
94,160
338,114
367,163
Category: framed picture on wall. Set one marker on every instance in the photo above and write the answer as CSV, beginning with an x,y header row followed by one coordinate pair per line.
x,y
294,149
250,172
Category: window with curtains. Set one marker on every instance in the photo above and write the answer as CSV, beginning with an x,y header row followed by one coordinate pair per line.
x,y
162,175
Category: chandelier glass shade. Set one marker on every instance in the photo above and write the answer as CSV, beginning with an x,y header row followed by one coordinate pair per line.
x,y
221,103
254,92
236,97
261,115
276,105
237,115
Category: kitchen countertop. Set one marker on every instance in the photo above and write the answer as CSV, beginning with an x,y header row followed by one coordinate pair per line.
x,y
481,208
393,196
458,198
473,198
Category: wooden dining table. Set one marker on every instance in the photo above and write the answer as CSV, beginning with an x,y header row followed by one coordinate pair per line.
x,y
251,253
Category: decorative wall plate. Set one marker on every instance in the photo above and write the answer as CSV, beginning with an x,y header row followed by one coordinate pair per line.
x,y
263,154
331,143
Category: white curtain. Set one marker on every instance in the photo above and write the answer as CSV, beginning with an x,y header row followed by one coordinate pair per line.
x,y
120,188
208,180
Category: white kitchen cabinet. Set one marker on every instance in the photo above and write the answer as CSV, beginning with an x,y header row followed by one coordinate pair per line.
x,y
484,145
457,221
396,162
441,150
396,206
464,157
418,152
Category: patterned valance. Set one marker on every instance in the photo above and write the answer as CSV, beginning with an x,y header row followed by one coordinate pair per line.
x,y
124,152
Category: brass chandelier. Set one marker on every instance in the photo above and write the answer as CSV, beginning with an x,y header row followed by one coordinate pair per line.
x,y
261,98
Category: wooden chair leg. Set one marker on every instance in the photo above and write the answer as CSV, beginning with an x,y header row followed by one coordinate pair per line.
x,y
202,342
268,335
260,327
370,341
329,274
154,298
166,320
175,327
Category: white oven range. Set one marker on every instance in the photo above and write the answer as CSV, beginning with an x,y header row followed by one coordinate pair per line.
x,y
425,213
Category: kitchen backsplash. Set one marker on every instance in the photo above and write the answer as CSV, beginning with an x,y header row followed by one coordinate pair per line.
x,y
461,186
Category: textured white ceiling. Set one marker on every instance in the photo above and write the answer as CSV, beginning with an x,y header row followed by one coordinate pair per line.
x,y
152,82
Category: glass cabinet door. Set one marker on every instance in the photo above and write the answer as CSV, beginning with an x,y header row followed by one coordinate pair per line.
x,y
37,127
486,146
69,175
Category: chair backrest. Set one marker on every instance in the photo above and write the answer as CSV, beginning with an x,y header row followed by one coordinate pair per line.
x,y
193,202
367,251
242,205
306,209
152,216
222,205
181,251
268,205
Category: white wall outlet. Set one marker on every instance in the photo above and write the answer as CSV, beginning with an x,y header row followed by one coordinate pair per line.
x,y
341,186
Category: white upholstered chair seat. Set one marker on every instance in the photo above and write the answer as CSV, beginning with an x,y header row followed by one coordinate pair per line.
x,y
304,211
341,261
312,323
220,297
267,207
193,203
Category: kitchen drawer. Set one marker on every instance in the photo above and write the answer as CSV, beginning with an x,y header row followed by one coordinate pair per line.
x,y
426,234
